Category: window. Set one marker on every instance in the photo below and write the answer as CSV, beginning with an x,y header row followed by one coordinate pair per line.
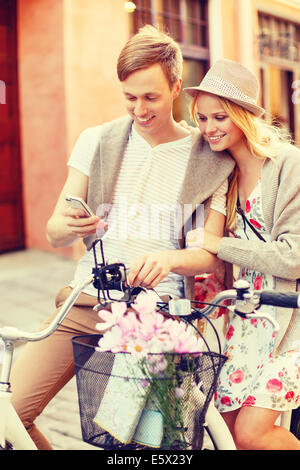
x,y
279,49
187,22
279,38
197,23
142,14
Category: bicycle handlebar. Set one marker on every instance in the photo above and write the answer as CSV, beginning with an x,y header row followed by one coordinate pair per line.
x,y
246,303
280,299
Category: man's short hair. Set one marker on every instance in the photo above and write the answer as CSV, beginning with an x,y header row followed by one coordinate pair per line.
x,y
148,47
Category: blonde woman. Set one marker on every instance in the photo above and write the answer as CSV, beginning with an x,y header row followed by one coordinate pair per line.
x,y
261,377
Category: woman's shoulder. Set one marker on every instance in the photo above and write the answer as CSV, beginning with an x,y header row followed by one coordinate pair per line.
x,y
288,157
289,153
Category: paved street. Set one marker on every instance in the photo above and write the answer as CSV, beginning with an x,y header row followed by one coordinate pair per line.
x,y
29,281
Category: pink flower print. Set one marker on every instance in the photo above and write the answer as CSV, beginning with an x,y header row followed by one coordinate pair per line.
x,y
258,283
248,206
250,401
226,401
237,376
274,385
230,332
289,395
255,223
206,287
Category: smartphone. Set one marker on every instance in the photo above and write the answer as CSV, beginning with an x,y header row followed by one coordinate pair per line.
x,y
79,203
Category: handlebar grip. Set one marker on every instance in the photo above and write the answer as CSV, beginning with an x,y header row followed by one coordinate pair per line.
x,y
280,299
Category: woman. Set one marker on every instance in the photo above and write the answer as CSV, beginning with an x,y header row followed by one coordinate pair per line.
x,y
261,377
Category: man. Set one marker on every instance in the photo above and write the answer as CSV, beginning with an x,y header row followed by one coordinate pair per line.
x,y
130,168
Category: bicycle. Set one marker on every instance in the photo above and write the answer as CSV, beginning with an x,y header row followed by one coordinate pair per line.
x,y
106,277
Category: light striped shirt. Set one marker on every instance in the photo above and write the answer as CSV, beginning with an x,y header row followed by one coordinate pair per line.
x,y
144,216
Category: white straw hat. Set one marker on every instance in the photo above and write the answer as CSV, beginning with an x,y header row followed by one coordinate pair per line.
x,y
233,81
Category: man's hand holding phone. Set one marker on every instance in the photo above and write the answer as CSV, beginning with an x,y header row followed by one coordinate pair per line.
x,y
82,221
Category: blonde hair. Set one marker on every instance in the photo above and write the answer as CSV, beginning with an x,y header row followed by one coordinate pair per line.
x,y
148,47
263,140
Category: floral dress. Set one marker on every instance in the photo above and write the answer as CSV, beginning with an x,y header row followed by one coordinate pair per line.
x,y
251,376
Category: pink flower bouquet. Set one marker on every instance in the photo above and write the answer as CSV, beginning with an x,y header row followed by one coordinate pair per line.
x,y
165,351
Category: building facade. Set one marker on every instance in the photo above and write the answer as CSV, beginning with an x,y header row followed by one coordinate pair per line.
x,y
58,76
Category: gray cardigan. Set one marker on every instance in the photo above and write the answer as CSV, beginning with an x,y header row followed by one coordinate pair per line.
x,y
280,256
206,171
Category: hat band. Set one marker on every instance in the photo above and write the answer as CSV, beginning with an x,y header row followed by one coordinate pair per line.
x,y
226,89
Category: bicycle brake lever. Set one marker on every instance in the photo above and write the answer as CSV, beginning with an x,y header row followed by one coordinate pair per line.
x,y
266,316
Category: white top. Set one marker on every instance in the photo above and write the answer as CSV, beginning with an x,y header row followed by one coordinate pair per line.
x,y
144,215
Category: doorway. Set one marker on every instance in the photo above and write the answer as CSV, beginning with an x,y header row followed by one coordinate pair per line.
x,y
11,205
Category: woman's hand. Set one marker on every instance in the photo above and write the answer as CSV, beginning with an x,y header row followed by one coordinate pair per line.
x,y
149,270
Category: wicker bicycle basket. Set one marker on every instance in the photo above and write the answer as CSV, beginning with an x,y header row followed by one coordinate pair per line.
x,y
103,386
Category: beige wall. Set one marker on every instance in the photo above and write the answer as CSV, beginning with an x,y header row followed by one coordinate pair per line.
x,y
94,33
42,112
68,51
230,32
